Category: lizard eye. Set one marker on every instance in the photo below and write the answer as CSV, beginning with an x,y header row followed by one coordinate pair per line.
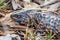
x,y
13,16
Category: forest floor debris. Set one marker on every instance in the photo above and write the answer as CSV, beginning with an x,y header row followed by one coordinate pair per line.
x,y
9,29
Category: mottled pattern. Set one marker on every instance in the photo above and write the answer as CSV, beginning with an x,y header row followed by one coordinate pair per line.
x,y
48,18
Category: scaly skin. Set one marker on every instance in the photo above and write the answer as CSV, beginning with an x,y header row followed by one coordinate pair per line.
x,y
48,18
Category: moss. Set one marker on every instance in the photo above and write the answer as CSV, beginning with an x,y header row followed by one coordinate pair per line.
x,y
1,2
4,7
